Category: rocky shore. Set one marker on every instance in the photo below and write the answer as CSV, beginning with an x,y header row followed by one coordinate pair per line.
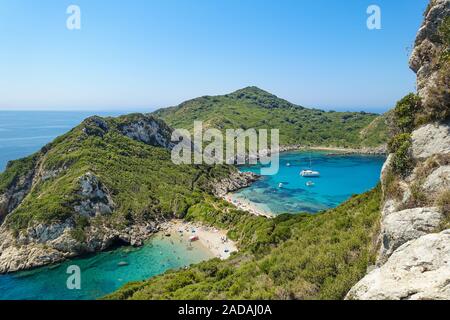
x,y
48,244
236,181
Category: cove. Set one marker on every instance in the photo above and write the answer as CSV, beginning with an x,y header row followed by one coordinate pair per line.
x,y
342,176
104,272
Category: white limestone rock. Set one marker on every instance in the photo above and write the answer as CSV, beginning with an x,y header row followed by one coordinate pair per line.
x,y
418,270
403,226
438,180
431,139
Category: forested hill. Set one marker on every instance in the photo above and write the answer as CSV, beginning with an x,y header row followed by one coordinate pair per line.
x,y
252,107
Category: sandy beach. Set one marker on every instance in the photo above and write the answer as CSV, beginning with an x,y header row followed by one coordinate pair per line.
x,y
212,239
247,205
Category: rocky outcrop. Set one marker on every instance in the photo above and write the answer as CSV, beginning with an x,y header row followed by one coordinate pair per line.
x,y
437,181
236,181
89,224
149,130
46,244
15,193
95,198
418,270
403,226
413,261
427,50
431,139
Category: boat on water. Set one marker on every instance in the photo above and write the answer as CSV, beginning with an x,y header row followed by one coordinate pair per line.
x,y
280,185
310,184
288,164
309,173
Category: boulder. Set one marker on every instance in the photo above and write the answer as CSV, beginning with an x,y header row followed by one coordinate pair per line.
x,y
431,139
403,226
418,270
438,180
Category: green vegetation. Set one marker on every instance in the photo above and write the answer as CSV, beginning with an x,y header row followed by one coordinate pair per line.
x,y
400,147
143,181
405,112
15,170
289,257
438,104
443,203
444,32
254,108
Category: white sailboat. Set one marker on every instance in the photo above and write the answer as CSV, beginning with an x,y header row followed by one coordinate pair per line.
x,y
310,173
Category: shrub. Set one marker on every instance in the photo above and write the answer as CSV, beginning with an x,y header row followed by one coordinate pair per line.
x,y
405,113
443,203
400,146
444,33
438,102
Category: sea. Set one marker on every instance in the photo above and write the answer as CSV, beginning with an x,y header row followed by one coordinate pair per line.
x,y
25,132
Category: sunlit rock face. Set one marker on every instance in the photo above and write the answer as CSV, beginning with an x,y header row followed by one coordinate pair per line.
x,y
414,258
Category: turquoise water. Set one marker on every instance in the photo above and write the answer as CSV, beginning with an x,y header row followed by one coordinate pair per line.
x,y
22,133
101,273
341,177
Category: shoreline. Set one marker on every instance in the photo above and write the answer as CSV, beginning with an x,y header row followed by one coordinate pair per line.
x,y
211,239
247,205
380,150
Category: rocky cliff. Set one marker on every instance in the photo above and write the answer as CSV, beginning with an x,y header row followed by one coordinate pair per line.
x,y
413,261
109,181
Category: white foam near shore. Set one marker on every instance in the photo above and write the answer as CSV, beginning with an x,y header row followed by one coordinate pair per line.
x,y
249,206
212,239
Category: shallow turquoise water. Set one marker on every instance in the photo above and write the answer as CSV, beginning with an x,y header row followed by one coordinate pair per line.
x,y
341,177
101,273
22,133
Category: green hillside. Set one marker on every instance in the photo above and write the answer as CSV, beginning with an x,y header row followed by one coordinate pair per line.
x,y
289,257
255,108
140,177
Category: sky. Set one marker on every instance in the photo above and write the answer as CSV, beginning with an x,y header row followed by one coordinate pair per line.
x,y
146,54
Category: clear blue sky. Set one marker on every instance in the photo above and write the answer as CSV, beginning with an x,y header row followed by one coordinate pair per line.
x,y
153,53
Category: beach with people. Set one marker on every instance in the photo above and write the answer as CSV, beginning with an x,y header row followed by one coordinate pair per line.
x,y
195,234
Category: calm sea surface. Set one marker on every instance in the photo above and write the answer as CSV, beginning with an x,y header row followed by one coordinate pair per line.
x,y
22,133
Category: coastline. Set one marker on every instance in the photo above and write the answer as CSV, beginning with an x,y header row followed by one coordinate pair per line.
x,y
211,239
380,150
257,209
247,205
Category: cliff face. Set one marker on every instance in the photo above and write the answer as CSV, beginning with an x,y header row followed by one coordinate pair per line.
x,y
431,48
108,181
413,261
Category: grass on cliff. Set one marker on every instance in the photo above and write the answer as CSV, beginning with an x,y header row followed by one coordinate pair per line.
x,y
254,108
143,181
290,257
